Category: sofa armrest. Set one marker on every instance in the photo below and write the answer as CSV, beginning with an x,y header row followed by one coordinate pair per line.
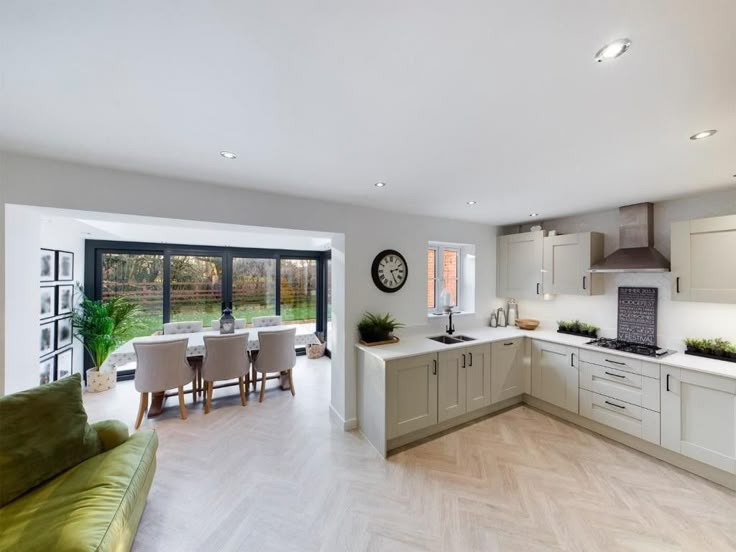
x,y
111,432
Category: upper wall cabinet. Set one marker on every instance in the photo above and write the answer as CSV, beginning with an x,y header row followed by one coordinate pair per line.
x,y
567,260
519,264
704,260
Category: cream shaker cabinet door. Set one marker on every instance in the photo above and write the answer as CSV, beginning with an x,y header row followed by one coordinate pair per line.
x,y
507,374
519,264
411,394
704,260
451,382
567,260
699,416
555,374
478,377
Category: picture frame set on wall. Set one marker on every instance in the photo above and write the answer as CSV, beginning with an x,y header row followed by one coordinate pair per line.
x,y
56,335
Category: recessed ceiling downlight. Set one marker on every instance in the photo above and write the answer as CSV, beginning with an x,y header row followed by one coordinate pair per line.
x,y
380,184
612,50
703,134
533,215
228,154
471,202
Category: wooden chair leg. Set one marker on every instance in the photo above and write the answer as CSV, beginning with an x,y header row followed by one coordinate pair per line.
x,y
263,386
143,406
242,389
208,398
182,408
291,384
253,376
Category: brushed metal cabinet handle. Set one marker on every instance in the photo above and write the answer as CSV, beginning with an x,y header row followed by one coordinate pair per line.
x,y
507,344
434,369
668,382
677,285
471,359
616,405
583,282
463,360
572,360
615,375
615,362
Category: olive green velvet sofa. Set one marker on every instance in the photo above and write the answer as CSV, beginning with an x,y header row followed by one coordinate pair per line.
x,y
66,485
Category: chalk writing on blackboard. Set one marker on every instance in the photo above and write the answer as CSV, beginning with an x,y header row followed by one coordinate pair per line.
x,y
637,315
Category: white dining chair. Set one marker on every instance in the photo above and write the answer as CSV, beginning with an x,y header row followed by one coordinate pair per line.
x,y
225,358
277,353
192,326
266,321
161,366
239,324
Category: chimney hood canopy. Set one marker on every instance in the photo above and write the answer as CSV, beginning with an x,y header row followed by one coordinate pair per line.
x,y
636,251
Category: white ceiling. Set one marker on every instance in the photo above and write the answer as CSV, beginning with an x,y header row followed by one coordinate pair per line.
x,y
93,225
494,101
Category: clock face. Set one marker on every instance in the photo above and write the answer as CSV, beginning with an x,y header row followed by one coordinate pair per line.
x,y
389,271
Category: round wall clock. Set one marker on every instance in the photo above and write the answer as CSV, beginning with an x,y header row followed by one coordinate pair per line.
x,y
389,271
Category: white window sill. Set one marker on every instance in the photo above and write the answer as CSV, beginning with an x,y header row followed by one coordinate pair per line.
x,y
454,314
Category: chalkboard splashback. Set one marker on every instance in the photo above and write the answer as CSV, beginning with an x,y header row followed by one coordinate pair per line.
x,y
637,315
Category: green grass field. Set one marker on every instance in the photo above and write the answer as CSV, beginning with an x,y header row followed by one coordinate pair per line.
x,y
152,323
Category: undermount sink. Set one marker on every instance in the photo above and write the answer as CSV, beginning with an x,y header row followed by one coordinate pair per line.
x,y
446,339
464,338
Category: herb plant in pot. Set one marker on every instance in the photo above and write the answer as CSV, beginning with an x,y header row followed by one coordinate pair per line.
x,y
102,326
377,328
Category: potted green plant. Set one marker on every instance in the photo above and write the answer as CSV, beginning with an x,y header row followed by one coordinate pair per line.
x,y
102,326
377,328
717,348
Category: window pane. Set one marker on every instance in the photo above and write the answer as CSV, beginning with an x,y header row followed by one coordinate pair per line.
x,y
139,278
449,273
431,260
196,288
299,291
254,288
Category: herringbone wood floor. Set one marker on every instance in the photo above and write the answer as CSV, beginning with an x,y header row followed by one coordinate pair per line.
x,y
282,476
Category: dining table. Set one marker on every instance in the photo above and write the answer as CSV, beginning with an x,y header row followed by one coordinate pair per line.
x,y
125,354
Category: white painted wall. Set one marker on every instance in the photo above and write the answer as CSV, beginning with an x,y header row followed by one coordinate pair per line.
x,y
22,303
676,320
358,235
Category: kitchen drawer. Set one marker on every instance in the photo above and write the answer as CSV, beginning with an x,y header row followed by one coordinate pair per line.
x,y
634,420
610,360
619,384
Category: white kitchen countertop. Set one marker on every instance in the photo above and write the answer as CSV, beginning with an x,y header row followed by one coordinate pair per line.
x,y
419,344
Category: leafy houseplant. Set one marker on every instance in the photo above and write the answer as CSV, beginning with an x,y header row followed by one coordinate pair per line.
x,y
576,327
377,327
717,348
102,326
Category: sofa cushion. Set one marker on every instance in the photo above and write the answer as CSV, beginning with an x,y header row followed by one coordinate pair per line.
x,y
95,506
43,432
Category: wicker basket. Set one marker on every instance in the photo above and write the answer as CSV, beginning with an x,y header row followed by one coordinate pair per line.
x,y
316,350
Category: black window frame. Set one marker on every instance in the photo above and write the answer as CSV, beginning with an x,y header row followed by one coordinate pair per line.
x,y
94,249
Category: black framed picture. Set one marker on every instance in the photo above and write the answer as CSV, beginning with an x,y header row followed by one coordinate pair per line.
x,y
64,266
48,302
63,332
65,300
48,265
64,364
47,338
46,373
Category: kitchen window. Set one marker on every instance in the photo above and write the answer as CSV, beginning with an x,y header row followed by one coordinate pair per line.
x,y
444,277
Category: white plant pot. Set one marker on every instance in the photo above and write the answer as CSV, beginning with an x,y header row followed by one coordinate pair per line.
x,y
101,380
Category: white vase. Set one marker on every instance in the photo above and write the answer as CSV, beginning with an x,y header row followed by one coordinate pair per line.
x,y
101,380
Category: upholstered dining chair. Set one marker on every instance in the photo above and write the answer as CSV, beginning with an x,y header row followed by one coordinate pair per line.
x,y
171,328
239,324
225,358
262,322
161,366
277,353
265,321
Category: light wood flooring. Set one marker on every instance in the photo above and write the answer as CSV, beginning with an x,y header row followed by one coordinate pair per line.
x,y
283,476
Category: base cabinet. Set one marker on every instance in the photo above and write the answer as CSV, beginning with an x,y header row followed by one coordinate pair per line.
x,y
464,381
411,394
699,416
507,379
555,374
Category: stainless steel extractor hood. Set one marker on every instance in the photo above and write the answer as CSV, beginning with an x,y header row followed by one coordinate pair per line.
x,y
636,251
